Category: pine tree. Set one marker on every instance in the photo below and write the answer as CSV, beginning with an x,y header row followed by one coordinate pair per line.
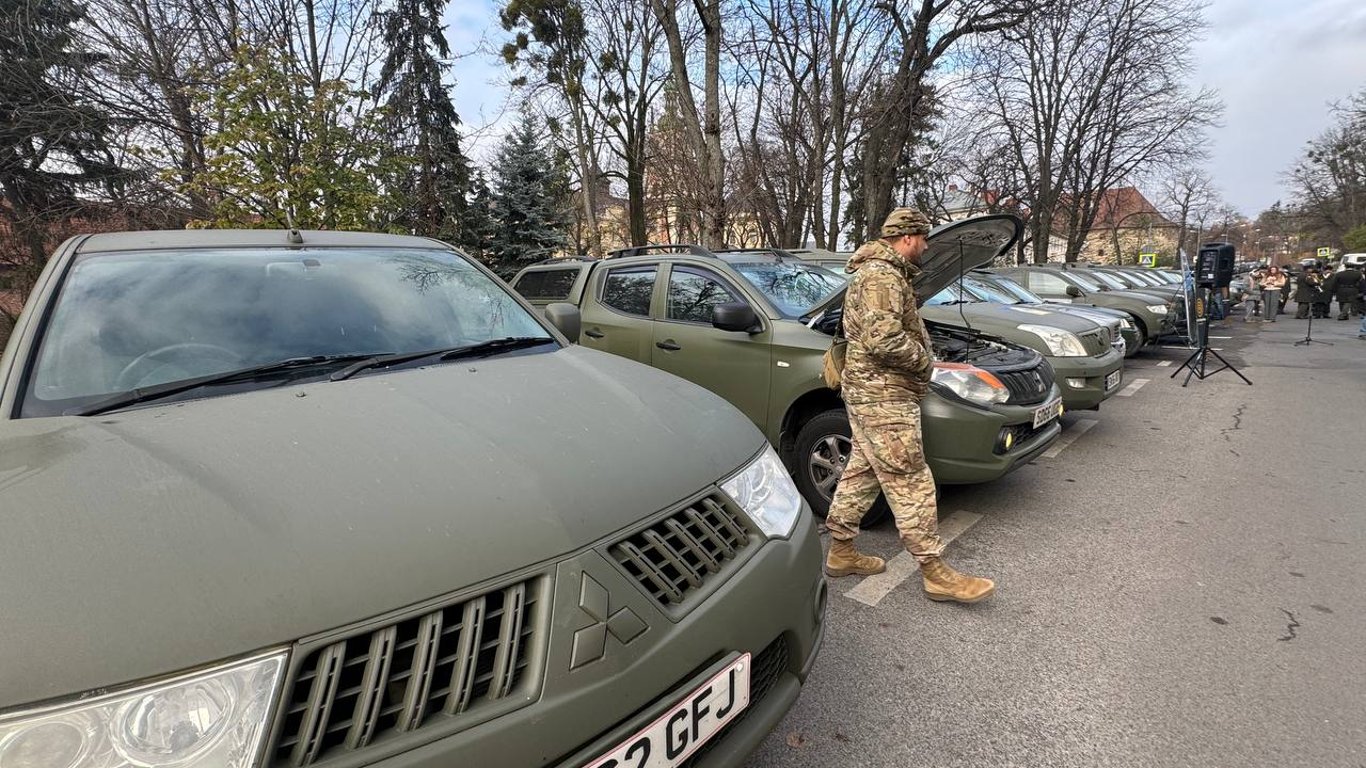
x,y
432,196
54,141
527,204
478,228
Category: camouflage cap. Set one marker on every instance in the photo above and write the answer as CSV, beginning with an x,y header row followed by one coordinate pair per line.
x,y
905,221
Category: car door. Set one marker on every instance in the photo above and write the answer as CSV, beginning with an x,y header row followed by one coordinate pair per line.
x,y
733,364
616,311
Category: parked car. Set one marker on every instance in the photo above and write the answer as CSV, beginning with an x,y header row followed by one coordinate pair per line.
x,y
342,499
753,325
1005,290
834,261
1087,368
1150,314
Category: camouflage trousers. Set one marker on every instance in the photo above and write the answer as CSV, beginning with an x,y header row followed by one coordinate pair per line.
x,y
887,458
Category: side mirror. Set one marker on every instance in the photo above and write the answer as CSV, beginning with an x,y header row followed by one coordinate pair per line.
x,y
1074,292
737,316
566,318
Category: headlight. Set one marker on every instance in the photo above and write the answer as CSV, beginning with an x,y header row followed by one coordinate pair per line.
x,y
1060,343
1126,324
1158,309
766,492
213,719
970,383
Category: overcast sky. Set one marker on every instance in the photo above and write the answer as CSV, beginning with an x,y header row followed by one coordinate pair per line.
x,y
1276,63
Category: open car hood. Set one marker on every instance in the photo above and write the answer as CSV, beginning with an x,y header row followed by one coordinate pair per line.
x,y
954,249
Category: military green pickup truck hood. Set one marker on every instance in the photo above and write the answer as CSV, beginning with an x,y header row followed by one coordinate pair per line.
x,y
1004,319
954,249
147,541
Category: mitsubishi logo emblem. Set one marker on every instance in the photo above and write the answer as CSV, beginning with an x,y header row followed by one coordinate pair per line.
x,y
590,643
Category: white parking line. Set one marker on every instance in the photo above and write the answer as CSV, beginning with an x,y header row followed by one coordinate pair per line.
x,y
1069,436
871,590
1133,387
1163,363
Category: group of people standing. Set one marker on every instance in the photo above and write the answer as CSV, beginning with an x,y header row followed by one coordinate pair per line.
x,y
1314,290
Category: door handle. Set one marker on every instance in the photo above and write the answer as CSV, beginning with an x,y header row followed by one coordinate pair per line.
x,y
668,345
594,334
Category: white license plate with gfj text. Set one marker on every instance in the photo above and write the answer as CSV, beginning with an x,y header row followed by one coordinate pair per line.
x,y
1047,413
689,724
1112,380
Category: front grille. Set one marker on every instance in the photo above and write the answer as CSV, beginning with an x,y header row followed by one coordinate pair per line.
x,y
1096,342
1026,387
675,556
413,673
765,671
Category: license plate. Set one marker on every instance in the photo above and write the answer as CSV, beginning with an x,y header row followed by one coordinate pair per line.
x,y
1112,381
1047,413
689,724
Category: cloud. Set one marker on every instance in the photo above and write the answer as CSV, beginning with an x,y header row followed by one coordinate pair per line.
x,y
1278,65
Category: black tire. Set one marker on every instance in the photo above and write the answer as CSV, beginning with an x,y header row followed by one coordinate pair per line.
x,y
818,438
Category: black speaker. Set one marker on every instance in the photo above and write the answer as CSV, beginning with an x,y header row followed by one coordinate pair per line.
x,y
1214,267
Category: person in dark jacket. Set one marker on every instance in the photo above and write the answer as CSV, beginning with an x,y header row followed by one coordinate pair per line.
x,y
1322,298
1346,287
1306,289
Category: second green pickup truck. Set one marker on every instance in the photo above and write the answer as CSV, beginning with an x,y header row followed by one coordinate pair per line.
x,y
752,326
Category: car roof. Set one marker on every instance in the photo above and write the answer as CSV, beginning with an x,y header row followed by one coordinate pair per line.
x,y
113,242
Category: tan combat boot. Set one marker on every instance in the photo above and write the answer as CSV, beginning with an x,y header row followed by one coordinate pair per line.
x,y
943,583
844,560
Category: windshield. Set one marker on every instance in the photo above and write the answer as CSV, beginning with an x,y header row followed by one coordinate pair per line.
x,y
1147,278
950,295
1085,281
988,292
125,321
1110,280
792,288
1015,289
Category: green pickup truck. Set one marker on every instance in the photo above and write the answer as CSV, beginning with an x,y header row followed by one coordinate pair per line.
x,y
752,326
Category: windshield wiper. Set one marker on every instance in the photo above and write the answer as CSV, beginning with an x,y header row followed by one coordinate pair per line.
x,y
491,347
147,394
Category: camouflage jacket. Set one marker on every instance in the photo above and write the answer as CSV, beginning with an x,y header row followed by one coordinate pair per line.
x,y
889,356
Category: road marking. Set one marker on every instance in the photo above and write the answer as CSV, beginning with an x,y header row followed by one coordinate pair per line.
x,y
1163,363
872,589
1069,436
1133,387
1221,337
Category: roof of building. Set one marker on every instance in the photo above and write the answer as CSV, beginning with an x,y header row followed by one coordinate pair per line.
x,y
1126,208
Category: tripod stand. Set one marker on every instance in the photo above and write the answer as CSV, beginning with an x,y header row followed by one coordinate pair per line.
x,y
1309,335
1195,364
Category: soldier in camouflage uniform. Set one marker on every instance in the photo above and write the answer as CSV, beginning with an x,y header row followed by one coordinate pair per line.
x,y
886,372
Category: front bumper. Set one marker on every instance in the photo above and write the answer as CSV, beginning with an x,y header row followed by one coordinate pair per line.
x,y
772,607
961,440
1090,373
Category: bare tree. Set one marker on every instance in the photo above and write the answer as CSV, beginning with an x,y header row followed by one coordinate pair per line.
x,y
701,129
1329,179
1190,197
1091,94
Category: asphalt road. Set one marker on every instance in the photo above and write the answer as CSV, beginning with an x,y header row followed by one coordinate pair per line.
x,y
1182,585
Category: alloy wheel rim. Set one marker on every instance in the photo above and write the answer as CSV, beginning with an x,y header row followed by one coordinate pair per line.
x,y
827,461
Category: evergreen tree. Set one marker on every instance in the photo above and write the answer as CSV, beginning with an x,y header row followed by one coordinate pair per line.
x,y
431,196
54,141
527,201
478,228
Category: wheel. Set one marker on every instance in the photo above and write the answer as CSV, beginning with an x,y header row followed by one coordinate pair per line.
x,y
1142,336
823,448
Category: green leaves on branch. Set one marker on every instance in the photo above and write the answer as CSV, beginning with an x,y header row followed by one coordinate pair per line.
x,y
288,153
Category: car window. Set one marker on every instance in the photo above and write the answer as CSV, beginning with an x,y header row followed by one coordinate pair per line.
x,y
1047,283
629,290
693,295
792,288
552,284
139,319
